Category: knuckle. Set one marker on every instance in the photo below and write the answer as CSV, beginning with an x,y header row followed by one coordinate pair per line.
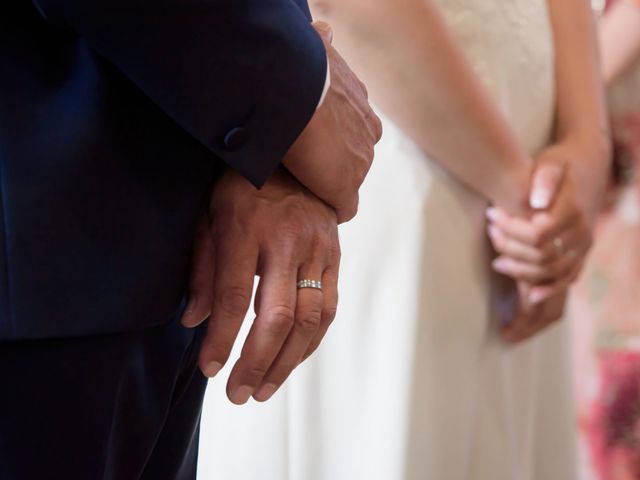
x,y
217,347
539,257
348,213
310,322
547,255
500,244
279,319
329,314
538,237
233,300
255,373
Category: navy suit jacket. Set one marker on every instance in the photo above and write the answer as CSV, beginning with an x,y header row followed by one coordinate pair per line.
x,y
115,117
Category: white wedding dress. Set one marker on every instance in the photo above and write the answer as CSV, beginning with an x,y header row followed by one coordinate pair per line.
x,y
412,381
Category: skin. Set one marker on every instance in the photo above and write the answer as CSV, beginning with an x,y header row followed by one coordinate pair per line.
x,y
417,73
282,233
335,151
619,39
582,150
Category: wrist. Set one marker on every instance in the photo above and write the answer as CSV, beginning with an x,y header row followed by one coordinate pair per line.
x,y
511,190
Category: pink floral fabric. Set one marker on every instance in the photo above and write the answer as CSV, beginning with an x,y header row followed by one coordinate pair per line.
x,y
605,313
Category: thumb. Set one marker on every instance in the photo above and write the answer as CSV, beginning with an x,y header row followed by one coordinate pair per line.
x,y
198,308
546,182
325,31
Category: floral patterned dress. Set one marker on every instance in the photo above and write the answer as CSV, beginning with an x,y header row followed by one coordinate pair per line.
x,y
605,312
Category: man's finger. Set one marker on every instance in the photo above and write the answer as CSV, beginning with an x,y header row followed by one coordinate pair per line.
x,y
545,184
235,270
325,31
269,330
308,315
201,276
329,309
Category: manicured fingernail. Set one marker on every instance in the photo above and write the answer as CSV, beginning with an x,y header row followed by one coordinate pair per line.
x,y
500,264
241,394
212,369
537,296
493,231
265,392
540,199
492,213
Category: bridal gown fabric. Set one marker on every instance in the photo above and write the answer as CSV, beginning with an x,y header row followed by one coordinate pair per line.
x,y
412,381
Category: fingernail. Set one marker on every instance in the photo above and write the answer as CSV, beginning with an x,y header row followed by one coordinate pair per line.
x,y
493,231
241,394
492,213
188,313
539,199
212,369
500,264
537,296
265,392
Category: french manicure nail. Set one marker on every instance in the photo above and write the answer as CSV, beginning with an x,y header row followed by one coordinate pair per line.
x,y
265,392
241,394
493,231
539,199
212,369
492,214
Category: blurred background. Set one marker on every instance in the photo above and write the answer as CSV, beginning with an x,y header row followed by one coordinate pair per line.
x,y
605,305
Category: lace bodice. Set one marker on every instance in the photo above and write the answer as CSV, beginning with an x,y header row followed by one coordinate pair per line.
x,y
510,46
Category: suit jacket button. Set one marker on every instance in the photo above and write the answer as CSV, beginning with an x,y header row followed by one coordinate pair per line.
x,y
235,138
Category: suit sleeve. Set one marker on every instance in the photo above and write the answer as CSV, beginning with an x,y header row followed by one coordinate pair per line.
x,y
243,77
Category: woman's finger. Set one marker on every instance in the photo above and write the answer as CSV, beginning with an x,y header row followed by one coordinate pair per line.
x,y
542,226
538,319
532,273
540,294
517,250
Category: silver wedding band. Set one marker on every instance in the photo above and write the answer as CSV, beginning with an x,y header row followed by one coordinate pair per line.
x,y
317,284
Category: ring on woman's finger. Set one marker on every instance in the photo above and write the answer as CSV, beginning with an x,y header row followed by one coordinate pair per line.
x,y
559,244
306,283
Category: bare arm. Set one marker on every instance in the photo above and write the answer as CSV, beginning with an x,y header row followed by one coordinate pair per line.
x,y
619,39
581,119
418,75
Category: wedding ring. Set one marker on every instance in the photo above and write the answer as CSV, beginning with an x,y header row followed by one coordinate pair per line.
x,y
317,284
559,244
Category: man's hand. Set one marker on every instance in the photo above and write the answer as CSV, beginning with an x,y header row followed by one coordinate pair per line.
x,y
282,233
334,153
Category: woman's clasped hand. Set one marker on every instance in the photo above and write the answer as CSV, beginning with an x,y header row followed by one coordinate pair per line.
x,y
543,251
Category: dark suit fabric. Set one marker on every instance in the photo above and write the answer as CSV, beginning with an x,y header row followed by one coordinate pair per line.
x,y
115,116
123,406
